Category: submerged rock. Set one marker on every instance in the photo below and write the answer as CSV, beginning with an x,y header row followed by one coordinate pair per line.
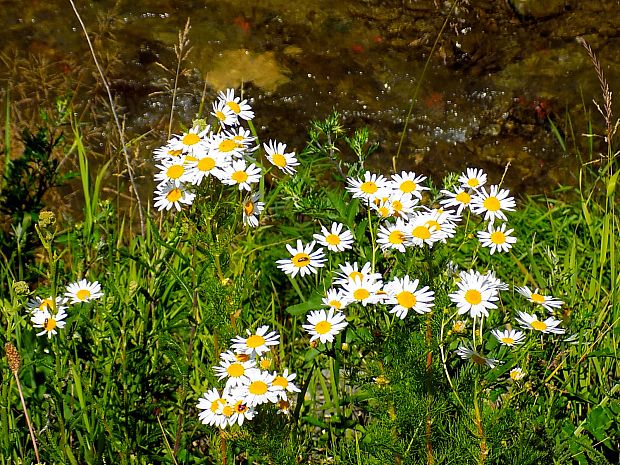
x,y
538,9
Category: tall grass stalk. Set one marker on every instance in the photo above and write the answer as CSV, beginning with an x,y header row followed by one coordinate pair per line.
x,y
121,132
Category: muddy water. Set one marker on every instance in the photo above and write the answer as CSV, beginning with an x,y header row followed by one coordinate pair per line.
x,y
500,70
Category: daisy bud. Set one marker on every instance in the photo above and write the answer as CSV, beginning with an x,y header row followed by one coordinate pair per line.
x,y
21,288
46,218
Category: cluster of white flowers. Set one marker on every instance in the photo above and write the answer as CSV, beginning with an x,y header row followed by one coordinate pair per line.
x,y
49,314
225,153
249,383
405,222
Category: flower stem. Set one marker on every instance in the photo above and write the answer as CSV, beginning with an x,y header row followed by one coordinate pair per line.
x,y
21,396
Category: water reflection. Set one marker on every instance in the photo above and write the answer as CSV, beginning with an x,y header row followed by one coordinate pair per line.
x,y
498,73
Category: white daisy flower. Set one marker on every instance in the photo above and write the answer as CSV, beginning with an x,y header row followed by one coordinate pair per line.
x,y
243,138
170,195
383,207
393,236
492,204
364,290
259,390
442,223
474,295
466,353
285,381
497,239
421,230
405,295
257,343
191,141
48,321
167,152
208,164
509,337
237,173
211,405
176,172
473,179
239,107
239,412
336,299
550,325
235,372
494,282
408,182
546,301
517,374
226,145
350,271
83,291
252,208
224,114
325,324
401,205
39,304
372,187
277,156
461,199
335,239
304,259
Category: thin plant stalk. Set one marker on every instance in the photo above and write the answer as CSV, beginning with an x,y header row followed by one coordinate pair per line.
x,y
181,53
114,113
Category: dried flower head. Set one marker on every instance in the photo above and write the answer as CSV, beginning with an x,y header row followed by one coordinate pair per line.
x,y
12,356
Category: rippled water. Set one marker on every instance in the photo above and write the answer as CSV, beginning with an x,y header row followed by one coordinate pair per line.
x,y
493,81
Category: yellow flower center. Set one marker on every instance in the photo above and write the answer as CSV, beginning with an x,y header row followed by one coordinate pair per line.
x,y
508,340
356,275
239,176
434,225
240,407
498,237
384,211
408,186
49,324
174,195
280,381
258,387
361,294
369,187
406,299
235,370
47,304
234,106
332,239
228,411
227,145
255,341
335,304
220,115
189,159
301,259
491,204
323,327
265,363
397,205
242,357
206,164
458,326
473,182
175,171
538,325
463,197
215,405
248,208
279,160
516,374
396,237
175,153
82,294
478,359
421,232
190,139
473,297
539,299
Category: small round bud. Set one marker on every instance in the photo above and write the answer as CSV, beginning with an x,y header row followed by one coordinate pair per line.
x,y
46,218
21,288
